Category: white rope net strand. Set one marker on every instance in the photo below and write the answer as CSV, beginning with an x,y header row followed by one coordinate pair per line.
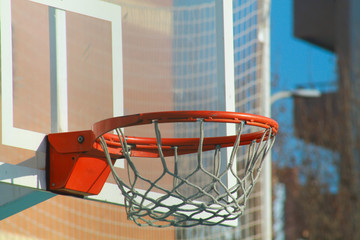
x,y
209,204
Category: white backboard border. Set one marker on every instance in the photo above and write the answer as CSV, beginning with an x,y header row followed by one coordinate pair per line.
x,y
31,140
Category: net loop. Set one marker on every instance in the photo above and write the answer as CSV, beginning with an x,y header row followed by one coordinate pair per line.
x,y
221,198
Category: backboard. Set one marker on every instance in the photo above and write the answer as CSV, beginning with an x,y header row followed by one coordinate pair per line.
x,y
68,64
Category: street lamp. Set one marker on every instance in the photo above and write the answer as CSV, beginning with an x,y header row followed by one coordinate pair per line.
x,y
301,92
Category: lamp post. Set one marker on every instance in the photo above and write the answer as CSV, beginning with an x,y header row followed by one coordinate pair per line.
x,y
304,93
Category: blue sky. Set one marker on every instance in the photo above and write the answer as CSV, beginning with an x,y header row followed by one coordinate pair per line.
x,y
294,61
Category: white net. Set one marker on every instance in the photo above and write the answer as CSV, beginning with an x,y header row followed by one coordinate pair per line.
x,y
188,202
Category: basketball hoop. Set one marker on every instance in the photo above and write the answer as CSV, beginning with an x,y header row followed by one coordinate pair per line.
x,y
215,202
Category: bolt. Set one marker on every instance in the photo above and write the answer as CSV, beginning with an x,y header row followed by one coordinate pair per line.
x,y
53,184
81,139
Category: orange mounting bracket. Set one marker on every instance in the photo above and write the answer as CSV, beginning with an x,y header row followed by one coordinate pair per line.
x,y
74,166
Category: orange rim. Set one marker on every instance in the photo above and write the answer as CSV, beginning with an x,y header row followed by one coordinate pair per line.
x,y
110,124
147,147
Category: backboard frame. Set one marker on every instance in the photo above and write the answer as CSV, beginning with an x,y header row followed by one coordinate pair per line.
x,y
31,140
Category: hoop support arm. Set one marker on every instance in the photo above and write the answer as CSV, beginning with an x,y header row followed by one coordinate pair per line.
x,y
74,166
